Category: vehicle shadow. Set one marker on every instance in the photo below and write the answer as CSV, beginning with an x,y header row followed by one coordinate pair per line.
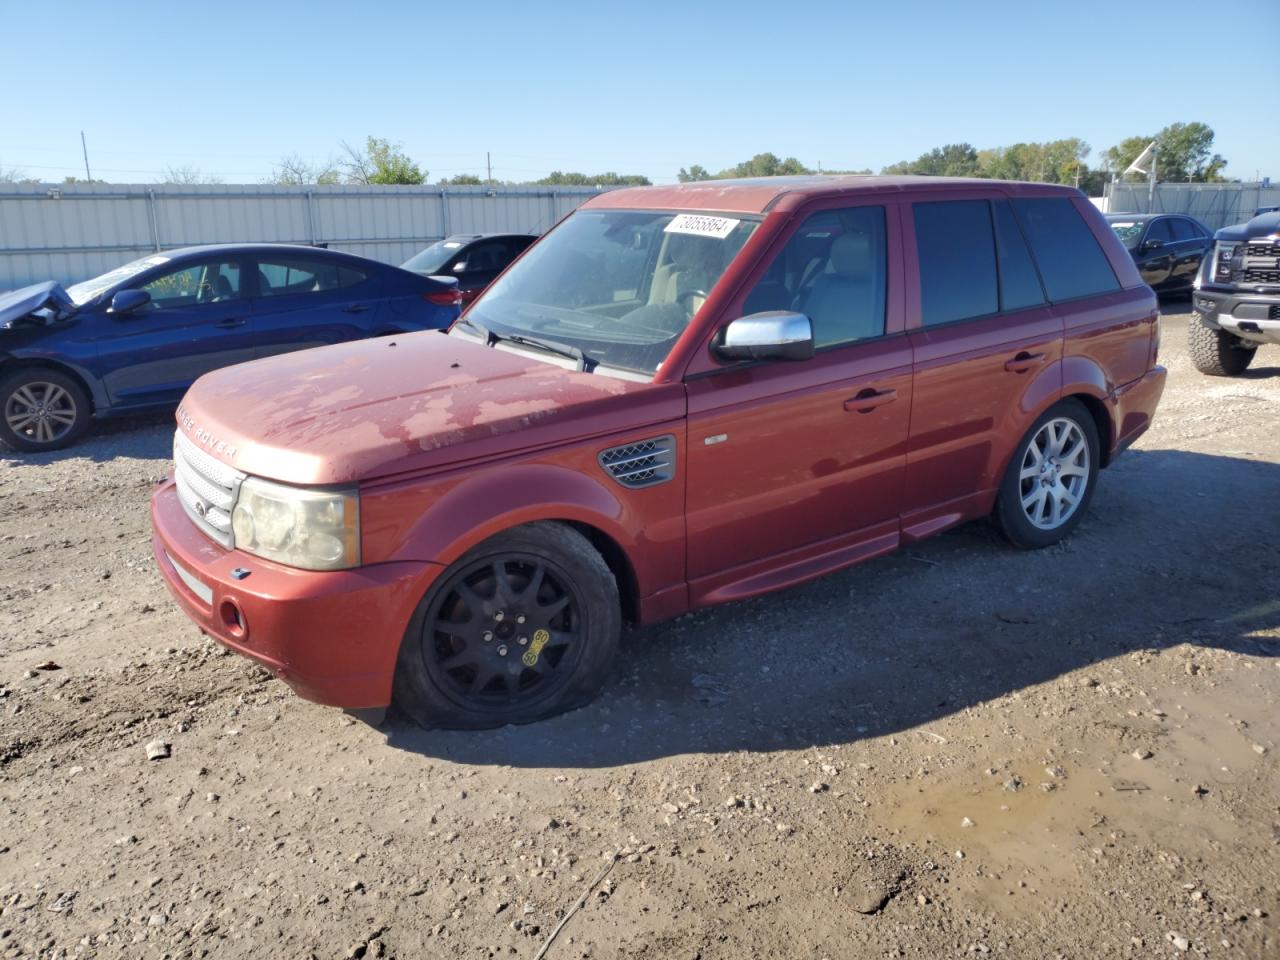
x,y
1174,551
143,437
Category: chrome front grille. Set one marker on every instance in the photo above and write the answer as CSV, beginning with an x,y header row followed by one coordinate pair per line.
x,y
206,487
643,463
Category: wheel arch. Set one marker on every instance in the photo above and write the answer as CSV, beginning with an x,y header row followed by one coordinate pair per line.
x,y
10,364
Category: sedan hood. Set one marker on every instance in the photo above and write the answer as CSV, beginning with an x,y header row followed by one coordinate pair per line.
x,y
375,408
17,304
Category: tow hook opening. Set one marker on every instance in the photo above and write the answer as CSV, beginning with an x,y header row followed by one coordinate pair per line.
x,y
233,618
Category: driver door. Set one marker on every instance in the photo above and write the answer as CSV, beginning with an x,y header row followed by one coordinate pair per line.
x,y
795,468
196,321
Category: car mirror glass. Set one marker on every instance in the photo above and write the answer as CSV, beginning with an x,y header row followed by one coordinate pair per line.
x,y
460,267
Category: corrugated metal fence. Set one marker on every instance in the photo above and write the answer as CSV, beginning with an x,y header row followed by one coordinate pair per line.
x,y
69,233
1216,205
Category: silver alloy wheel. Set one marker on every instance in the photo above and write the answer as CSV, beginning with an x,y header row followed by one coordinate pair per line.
x,y
40,411
1054,473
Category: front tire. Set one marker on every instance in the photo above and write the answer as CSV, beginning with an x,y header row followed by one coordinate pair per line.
x,y
1216,352
41,409
1050,480
522,627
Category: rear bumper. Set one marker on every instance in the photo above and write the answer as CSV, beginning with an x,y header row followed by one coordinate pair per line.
x,y
1135,406
1251,316
332,636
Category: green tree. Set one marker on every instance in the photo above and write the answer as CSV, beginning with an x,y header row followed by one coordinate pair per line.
x,y
694,172
463,180
14,175
1185,152
765,165
953,160
558,178
379,162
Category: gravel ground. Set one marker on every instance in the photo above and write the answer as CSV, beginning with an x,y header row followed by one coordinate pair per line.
x,y
959,750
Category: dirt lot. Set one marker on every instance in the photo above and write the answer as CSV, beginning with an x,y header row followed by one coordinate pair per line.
x,y
960,750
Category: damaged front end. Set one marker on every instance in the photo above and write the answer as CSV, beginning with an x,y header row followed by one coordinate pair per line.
x,y
38,305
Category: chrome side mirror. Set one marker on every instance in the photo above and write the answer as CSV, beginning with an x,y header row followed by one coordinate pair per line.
x,y
775,335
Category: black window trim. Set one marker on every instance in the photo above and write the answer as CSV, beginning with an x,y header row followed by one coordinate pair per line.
x,y
1049,301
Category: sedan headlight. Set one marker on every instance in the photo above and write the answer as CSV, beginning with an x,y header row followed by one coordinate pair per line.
x,y
312,529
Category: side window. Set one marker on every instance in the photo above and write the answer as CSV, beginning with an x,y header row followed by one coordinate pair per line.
x,y
1183,230
483,258
1071,262
1019,283
957,252
1159,230
833,271
288,276
203,283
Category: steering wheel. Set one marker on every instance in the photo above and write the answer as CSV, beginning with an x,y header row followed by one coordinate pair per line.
x,y
689,295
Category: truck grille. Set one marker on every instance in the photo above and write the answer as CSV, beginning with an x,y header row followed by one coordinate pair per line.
x,y
206,487
1261,263
643,463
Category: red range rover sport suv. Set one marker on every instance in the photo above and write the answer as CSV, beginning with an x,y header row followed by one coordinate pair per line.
x,y
677,397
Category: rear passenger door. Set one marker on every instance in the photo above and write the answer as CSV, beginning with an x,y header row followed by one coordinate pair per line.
x,y
1156,254
1189,248
301,301
986,346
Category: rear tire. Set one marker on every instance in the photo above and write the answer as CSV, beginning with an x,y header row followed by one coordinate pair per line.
x,y
1216,352
41,409
1050,479
521,627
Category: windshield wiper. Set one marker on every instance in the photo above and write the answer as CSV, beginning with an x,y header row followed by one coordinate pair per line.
x,y
491,337
585,363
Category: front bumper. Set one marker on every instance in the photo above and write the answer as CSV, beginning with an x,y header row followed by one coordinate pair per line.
x,y
1250,316
333,636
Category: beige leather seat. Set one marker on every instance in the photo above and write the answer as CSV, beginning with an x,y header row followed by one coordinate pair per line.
x,y
682,273
841,303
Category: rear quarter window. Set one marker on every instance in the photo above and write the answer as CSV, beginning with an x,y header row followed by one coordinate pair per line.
x,y
1071,263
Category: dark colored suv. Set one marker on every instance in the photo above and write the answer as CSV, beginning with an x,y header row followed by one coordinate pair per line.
x,y
680,396
1237,298
475,259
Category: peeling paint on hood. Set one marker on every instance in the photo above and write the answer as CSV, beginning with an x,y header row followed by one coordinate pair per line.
x,y
375,408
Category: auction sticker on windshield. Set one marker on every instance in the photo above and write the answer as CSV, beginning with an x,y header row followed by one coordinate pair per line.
x,y
702,226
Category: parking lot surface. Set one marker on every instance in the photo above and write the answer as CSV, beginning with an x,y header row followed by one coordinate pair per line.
x,y
957,750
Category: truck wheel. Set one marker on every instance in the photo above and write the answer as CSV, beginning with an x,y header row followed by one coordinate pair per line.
x,y
41,409
1216,352
1049,482
521,627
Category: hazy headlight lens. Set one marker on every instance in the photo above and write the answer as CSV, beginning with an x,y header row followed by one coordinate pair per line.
x,y
313,529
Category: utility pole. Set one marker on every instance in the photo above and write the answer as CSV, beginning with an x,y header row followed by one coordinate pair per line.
x,y
488,166
85,148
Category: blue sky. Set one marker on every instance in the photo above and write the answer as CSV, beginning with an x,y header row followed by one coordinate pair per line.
x,y
634,88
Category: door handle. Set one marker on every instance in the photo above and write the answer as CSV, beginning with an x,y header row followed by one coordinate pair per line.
x,y
1024,362
355,308
231,322
867,400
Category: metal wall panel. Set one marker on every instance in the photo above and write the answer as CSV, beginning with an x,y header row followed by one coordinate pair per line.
x,y
1216,205
69,233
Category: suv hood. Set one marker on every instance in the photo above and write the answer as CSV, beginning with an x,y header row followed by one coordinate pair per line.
x,y
1264,225
17,304
395,405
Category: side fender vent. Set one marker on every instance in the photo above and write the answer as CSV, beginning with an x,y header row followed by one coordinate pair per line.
x,y
643,463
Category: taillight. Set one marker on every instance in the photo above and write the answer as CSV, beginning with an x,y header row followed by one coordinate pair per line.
x,y
451,297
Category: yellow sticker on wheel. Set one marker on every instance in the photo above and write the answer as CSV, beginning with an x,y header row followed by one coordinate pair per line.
x,y
540,640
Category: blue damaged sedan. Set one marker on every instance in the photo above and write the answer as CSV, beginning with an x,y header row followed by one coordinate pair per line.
x,y
133,339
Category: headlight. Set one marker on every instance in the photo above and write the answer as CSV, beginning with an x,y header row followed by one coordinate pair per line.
x,y
1223,254
312,529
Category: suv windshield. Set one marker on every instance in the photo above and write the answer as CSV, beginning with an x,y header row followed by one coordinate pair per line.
x,y
86,290
619,285
434,257
1128,231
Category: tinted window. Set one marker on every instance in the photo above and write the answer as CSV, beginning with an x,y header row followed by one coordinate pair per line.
x,y
484,257
833,271
957,260
203,283
287,276
1183,230
1071,262
1159,230
1019,284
